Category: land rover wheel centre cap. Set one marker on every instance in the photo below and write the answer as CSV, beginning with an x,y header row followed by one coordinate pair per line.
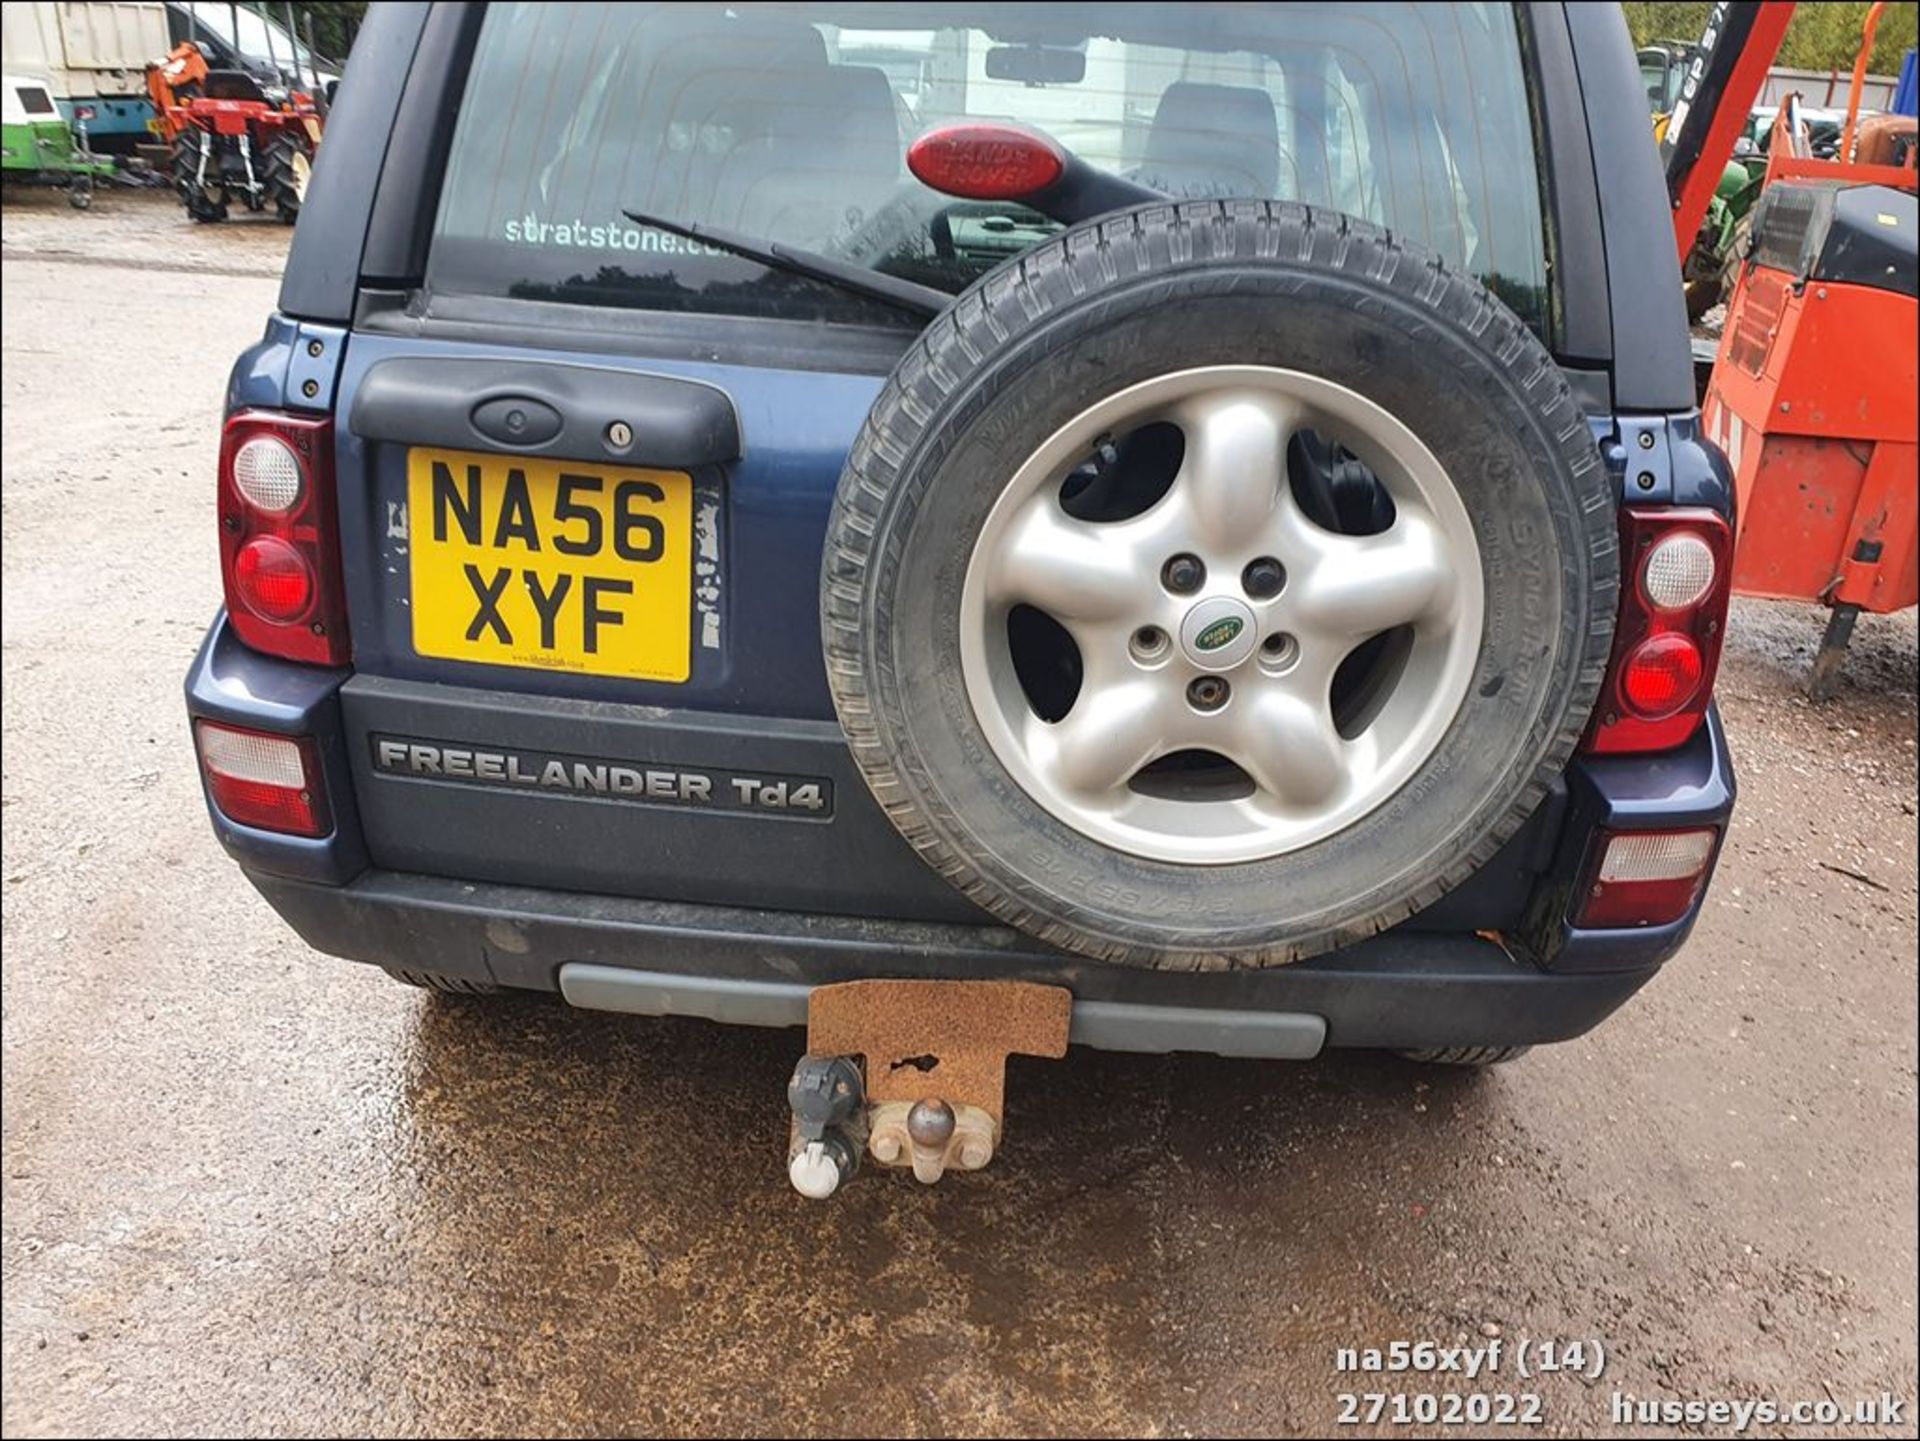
x,y
1218,633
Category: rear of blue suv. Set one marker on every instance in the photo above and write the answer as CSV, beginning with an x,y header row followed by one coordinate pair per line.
x,y
624,600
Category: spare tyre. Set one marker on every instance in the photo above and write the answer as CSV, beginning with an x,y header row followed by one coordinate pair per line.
x,y
1218,583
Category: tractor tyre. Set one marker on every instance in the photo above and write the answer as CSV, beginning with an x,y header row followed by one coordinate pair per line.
x,y
285,166
188,147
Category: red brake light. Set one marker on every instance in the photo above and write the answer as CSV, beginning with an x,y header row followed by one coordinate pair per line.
x,y
1661,676
985,162
273,580
1678,573
280,536
268,781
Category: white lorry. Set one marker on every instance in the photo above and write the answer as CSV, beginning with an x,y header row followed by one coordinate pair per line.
x,y
93,58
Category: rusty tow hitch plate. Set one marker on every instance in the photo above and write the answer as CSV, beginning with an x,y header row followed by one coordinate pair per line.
x,y
936,1060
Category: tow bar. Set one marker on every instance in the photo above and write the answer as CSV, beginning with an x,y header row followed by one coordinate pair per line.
x,y
912,1073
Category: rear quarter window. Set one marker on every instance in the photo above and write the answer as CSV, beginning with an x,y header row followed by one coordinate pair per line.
x,y
790,122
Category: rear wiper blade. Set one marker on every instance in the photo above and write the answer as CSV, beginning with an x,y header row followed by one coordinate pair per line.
x,y
888,289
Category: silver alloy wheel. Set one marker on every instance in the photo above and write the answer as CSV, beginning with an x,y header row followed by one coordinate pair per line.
x,y
1229,504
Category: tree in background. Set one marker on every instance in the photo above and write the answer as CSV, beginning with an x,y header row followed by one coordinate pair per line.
x,y
334,25
1820,36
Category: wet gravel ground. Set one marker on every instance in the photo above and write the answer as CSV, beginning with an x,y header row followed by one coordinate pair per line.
x,y
252,1190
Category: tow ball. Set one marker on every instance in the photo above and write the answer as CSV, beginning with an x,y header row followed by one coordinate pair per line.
x,y
912,1074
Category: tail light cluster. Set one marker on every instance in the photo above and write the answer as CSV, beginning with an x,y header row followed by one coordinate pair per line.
x,y
1644,878
280,536
1678,572
268,781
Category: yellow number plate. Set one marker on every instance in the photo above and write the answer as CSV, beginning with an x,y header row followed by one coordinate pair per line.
x,y
560,565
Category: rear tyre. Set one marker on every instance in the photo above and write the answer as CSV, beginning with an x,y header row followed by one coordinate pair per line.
x,y
449,985
1217,584
205,203
284,170
1467,1055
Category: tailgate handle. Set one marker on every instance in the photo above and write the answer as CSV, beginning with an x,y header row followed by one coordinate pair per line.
x,y
516,420
579,412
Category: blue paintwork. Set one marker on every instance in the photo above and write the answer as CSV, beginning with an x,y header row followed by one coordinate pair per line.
x,y
259,374
1701,474
1686,468
228,682
313,369
1692,785
796,428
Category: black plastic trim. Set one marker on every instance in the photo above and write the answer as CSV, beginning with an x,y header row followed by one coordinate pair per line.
x,y
1592,390
1085,191
1400,989
1652,359
1576,253
323,266
644,334
408,199
676,424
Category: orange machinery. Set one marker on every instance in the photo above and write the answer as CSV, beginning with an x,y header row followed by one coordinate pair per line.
x,y
1813,392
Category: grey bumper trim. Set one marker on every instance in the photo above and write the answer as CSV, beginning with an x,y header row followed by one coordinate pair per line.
x,y
1103,1025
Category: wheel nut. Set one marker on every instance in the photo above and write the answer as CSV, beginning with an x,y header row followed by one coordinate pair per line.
x,y
1278,652
1184,574
1149,643
1209,692
1263,578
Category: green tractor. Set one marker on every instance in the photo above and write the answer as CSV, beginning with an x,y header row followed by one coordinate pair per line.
x,y
1663,70
1707,272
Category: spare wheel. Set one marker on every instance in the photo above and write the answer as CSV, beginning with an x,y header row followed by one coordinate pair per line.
x,y
1218,583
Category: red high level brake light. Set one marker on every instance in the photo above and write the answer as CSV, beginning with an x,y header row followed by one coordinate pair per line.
x,y
985,162
280,536
1677,573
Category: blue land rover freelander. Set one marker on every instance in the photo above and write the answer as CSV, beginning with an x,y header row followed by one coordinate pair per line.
x,y
1199,509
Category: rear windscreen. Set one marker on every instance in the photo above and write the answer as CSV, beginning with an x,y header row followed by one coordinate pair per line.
x,y
790,122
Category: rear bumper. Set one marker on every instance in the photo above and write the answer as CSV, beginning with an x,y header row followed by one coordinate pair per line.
x,y
459,880
1401,989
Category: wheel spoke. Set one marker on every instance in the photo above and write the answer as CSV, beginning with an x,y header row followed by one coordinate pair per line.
x,y
1235,465
1286,741
1070,569
1354,586
1111,732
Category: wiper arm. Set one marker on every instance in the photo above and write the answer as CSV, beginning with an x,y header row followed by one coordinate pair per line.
x,y
888,289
